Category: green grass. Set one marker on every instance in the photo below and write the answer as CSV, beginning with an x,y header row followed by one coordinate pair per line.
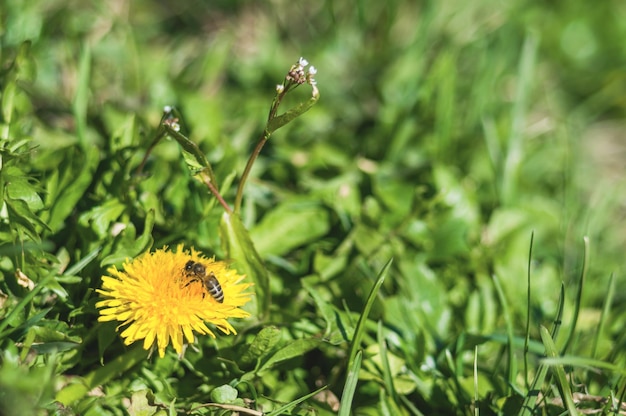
x,y
441,233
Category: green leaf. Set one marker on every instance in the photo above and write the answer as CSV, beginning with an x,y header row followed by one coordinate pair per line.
x,y
67,184
8,95
81,99
19,186
19,308
100,218
224,394
20,214
350,385
563,382
127,246
282,410
45,334
339,327
238,246
139,404
360,328
289,225
195,159
81,386
293,349
291,114
263,344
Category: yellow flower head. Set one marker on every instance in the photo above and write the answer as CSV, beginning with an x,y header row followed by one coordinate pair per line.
x,y
164,295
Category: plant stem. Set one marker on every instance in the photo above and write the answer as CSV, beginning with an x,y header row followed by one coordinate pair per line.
x,y
259,146
207,181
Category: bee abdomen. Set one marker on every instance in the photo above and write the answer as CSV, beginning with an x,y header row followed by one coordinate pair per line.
x,y
214,288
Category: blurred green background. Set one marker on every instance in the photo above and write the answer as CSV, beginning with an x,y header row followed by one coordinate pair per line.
x,y
448,134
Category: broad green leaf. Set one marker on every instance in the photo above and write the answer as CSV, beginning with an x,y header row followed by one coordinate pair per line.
x,y
293,349
20,214
127,246
100,218
239,247
289,225
339,327
20,186
262,344
68,184
140,405
46,334
224,394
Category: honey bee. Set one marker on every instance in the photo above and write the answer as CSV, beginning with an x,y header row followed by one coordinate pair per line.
x,y
197,272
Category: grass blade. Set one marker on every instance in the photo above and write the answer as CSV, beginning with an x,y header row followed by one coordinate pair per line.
x,y
528,311
608,301
562,382
360,327
579,295
350,386
514,150
281,410
387,377
509,331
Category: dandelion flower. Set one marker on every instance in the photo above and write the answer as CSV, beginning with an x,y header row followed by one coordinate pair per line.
x,y
158,298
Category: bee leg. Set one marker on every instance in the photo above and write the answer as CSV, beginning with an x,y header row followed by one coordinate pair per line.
x,y
191,281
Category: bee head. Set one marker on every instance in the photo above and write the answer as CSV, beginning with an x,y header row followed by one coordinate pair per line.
x,y
195,268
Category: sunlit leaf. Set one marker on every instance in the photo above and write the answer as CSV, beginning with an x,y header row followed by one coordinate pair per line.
x,y
239,247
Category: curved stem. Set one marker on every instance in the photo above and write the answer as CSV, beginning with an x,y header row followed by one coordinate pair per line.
x,y
257,149
246,171
207,181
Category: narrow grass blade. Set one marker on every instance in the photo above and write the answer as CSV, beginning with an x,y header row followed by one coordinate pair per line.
x,y
476,396
608,301
81,100
528,300
558,320
514,151
80,264
360,327
22,304
281,410
509,331
350,387
533,392
579,294
586,363
528,405
387,377
561,379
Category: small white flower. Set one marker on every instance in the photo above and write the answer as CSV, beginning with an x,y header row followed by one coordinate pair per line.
x,y
302,62
312,70
167,109
280,88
